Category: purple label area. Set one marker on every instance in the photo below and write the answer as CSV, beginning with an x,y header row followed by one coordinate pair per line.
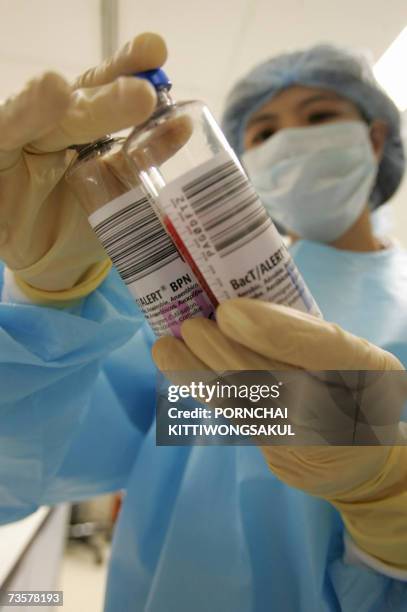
x,y
177,312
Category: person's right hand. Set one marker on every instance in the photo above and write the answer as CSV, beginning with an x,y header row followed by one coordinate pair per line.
x,y
45,238
366,483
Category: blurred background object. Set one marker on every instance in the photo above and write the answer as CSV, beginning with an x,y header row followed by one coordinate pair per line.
x,y
91,523
31,553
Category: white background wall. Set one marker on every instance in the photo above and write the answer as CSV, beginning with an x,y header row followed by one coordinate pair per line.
x,y
211,42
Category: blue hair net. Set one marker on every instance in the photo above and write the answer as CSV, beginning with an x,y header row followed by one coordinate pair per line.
x,y
327,67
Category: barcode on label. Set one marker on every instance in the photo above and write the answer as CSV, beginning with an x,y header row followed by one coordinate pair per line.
x,y
135,241
228,207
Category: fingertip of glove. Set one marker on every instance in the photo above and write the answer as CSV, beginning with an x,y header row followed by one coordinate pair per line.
x,y
35,110
392,362
52,89
50,96
191,328
55,81
137,97
162,348
269,329
148,50
236,311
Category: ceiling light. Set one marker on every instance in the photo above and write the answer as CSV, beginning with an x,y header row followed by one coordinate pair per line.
x,y
390,70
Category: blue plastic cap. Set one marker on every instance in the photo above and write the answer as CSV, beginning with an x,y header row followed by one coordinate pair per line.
x,y
157,78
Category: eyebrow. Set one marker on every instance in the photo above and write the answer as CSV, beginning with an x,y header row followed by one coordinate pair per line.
x,y
303,103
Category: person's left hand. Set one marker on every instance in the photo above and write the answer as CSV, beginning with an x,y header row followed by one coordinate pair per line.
x,y
366,484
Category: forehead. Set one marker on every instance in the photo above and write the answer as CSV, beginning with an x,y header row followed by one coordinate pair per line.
x,y
297,97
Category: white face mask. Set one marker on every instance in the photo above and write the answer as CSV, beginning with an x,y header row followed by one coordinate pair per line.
x,y
315,181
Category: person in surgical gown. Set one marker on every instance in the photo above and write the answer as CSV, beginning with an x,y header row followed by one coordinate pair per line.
x,y
291,119
201,528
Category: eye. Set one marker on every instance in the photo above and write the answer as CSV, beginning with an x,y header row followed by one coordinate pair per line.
x,y
262,135
322,116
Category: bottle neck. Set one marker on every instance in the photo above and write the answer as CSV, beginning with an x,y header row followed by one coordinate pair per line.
x,y
164,99
101,145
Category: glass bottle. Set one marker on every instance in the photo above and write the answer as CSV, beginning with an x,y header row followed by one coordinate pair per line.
x,y
120,212
208,205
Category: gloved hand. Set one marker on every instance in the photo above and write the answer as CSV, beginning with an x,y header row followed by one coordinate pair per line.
x,y
45,237
368,485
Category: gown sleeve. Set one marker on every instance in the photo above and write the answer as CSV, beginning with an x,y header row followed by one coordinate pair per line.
x,y
71,417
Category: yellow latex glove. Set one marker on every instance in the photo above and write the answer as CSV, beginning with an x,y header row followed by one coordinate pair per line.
x,y
45,237
368,485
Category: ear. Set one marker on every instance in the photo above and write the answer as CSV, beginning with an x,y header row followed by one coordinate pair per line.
x,y
378,135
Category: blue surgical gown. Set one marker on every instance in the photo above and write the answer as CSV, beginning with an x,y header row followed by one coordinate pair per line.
x,y
202,529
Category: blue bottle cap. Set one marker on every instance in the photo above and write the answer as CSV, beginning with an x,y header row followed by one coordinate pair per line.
x,y
157,78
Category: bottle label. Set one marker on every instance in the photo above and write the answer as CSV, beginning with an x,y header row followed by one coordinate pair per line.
x,y
230,236
162,284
